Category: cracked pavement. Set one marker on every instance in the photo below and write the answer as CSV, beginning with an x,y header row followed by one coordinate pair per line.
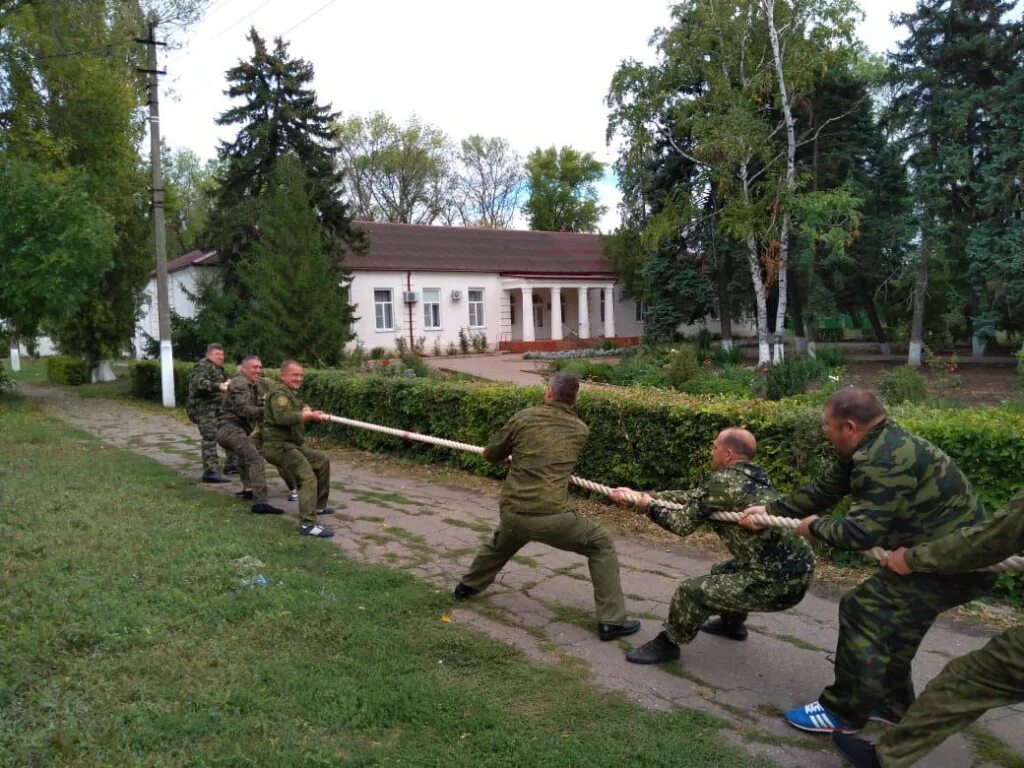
x,y
542,602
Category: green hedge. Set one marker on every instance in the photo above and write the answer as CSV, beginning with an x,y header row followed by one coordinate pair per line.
x,y
66,370
145,379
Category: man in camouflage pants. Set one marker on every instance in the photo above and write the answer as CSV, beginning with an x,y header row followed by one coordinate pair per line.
x,y
205,390
240,413
544,443
770,569
903,491
970,685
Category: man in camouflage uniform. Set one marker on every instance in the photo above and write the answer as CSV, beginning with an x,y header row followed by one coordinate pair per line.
x,y
544,443
970,685
770,569
903,491
240,413
205,390
284,434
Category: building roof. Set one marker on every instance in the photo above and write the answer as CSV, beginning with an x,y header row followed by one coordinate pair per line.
x,y
191,259
467,249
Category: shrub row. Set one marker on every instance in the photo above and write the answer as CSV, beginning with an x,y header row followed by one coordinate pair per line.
x,y
66,370
144,376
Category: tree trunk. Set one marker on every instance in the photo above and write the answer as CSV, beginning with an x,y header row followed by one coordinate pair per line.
x,y
881,336
978,345
102,373
917,323
764,353
15,353
796,310
724,319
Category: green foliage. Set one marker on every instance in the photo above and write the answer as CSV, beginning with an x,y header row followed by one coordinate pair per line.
x,y
792,375
563,197
830,334
683,366
902,385
717,385
831,357
723,356
66,370
6,382
1020,368
144,376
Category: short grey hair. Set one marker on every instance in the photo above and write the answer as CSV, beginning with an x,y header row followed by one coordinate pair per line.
x,y
564,386
250,358
214,347
860,406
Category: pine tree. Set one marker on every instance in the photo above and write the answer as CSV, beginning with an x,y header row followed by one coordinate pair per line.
x,y
279,115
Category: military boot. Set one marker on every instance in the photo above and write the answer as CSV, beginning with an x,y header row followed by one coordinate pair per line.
x,y
724,629
654,651
213,476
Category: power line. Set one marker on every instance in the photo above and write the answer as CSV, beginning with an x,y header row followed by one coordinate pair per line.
x,y
314,13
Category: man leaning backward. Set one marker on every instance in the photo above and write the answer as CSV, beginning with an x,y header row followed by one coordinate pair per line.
x,y
544,443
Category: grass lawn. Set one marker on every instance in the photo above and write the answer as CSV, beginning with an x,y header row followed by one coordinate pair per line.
x,y
126,638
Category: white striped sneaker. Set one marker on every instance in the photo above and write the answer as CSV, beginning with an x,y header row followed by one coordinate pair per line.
x,y
316,530
814,717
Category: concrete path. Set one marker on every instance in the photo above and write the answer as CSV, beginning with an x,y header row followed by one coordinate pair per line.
x,y
542,602
510,367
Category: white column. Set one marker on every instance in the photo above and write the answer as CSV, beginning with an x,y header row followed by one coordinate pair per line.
x,y
556,314
609,311
584,313
528,314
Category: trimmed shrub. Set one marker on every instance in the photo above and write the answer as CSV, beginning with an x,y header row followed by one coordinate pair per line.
x,y
902,385
66,370
144,376
683,366
791,376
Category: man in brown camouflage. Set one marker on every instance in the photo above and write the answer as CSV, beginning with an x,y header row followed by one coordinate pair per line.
x,y
970,685
206,386
770,570
542,445
240,414
903,491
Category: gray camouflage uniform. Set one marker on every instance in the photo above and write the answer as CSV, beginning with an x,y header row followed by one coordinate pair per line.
x,y
203,408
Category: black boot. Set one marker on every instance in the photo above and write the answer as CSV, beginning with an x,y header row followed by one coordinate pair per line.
x,y
718,627
461,591
213,476
860,753
654,651
262,508
611,631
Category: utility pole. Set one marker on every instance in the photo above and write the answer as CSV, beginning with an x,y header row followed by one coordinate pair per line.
x,y
159,233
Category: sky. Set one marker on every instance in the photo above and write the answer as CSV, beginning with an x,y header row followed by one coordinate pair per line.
x,y
535,73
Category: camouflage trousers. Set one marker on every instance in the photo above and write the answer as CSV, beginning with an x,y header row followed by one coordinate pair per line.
x,y
237,443
309,468
206,420
881,624
730,592
969,686
569,531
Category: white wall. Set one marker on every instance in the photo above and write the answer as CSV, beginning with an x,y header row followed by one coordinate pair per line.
x,y
177,283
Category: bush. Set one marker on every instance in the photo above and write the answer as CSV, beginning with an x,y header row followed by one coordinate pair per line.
x,y
6,382
717,385
829,335
791,376
902,385
683,366
1020,368
831,357
67,370
144,376
378,353
722,356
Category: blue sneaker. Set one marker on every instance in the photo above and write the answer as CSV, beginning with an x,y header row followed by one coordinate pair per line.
x,y
815,718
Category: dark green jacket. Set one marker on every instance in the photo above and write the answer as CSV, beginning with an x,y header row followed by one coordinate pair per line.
x,y
242,405
544,443
204,387
903,491
774,552
282,416
970,549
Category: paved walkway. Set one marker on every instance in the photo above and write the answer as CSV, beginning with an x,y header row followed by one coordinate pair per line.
x,y
510,367
542,603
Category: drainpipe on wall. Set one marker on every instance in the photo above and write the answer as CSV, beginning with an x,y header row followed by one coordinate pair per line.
x,y
410,308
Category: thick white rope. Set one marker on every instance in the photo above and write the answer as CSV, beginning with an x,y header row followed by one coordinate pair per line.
x,y
1015,563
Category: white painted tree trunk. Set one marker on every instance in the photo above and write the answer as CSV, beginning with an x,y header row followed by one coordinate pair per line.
x,y
917,319
978,346
727,345
812,348
764,353
914,354
885,348
15,357
800,345
102,372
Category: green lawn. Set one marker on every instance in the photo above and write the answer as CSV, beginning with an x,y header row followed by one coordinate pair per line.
x,y
126,638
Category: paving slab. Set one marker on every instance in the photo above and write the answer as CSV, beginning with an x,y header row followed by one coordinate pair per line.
x,y
542,602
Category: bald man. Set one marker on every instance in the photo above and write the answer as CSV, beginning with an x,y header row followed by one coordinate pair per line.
x,y
770,570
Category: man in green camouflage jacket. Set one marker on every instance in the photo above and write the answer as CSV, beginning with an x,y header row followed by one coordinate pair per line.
x,y
770,570
903,491
970,685
240,413
284,436
206,387
542,445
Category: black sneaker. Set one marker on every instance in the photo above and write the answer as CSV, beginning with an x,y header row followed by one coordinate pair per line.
x,y
654,651
262,508
244,495
722,629
325,511
612,631
293,496
860,753
213,476
461,591
316,530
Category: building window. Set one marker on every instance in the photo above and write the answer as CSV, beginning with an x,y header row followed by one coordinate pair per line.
x,y
476,307
383,310
641,311
432,308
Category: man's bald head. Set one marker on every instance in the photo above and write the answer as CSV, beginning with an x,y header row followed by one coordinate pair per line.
x,y
732,445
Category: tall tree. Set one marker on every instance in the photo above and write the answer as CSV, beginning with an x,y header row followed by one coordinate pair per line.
x,y
399,173
189,189
297,304
562,195
490,182
278,115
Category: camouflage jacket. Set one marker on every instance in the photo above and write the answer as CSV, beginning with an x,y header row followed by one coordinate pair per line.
x,y
969,549
775,552
242,405
204,387
544,443
282,416
903,491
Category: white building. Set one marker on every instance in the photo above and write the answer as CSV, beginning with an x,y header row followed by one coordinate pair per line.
x,y
183,275
425,284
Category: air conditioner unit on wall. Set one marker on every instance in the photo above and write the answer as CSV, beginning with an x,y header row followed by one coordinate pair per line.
x,y
456,295
410,297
